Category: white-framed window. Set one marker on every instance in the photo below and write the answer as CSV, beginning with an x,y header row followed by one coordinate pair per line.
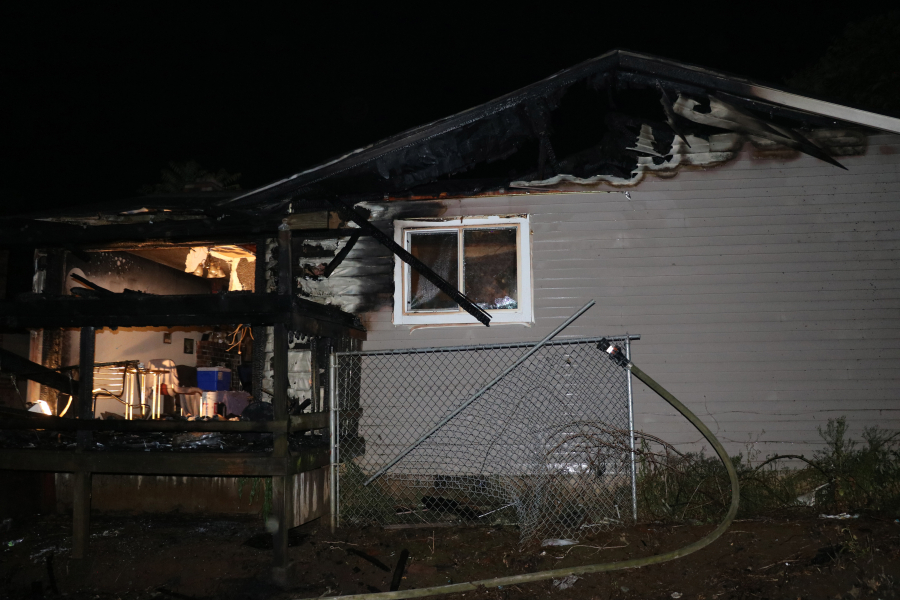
x,y
487,258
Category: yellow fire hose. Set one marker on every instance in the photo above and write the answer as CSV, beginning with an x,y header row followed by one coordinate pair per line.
x,y
618,357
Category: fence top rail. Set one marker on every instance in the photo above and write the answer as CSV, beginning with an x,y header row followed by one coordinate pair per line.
x,y
563,342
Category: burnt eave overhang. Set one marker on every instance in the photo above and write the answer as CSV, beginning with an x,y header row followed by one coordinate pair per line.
x,y
665,73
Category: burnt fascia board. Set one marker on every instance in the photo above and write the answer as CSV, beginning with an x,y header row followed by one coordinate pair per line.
x,y
26,369
38,311
747,88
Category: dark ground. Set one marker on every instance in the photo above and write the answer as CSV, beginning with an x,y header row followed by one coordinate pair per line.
x,y
177,557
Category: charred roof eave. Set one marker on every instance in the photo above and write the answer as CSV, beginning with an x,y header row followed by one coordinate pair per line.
x,y
362,167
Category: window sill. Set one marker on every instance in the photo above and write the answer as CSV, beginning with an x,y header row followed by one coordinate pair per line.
x,y
412,327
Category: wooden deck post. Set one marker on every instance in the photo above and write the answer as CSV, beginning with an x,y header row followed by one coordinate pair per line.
x,y
81,502
282,486
85,384
81,513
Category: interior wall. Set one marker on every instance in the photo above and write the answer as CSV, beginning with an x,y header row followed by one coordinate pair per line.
x,y
144,344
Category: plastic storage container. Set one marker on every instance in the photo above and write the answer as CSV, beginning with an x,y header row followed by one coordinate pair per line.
x,y
213,378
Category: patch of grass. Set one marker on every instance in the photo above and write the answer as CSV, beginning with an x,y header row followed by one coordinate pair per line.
x,y
845,475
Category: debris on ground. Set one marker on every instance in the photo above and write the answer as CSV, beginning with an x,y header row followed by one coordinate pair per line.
x,y
565,583
557,542
135,557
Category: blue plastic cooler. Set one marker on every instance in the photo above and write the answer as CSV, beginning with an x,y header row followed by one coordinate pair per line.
x,y
213,379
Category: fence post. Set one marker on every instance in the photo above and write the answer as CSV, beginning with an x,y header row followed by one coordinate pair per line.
x,y
634,511
334,429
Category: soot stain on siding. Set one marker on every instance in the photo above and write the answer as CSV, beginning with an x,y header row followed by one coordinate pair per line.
x,y
364,281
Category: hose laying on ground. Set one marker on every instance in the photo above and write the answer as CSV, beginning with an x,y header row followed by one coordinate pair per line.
x,y
617,356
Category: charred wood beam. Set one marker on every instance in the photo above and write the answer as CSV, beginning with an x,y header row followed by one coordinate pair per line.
x,y
339,258
37,311
91,288
205,231
124,246
671,117
45,233
320,320
163,463
24,368
424,270
538,115
11,418
280,383
84,408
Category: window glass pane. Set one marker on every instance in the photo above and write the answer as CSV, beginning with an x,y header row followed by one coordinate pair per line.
x,y
438,250
490,267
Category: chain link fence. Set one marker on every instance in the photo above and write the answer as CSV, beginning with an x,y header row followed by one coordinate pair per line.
x,y
547,448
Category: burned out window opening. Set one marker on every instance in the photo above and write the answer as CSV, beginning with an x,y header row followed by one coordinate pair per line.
x,y
488,258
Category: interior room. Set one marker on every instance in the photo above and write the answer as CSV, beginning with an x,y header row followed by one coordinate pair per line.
x,y
155,372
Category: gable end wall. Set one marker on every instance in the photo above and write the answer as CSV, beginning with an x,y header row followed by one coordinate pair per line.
x,y
766,290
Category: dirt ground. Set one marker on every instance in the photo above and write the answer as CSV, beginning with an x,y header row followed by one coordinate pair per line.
x,y
171,557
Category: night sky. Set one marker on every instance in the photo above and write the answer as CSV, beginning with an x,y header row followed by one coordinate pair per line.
x,y
96,101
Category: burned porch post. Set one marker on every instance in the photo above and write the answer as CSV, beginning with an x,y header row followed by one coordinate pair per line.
x,y
282,486
81,505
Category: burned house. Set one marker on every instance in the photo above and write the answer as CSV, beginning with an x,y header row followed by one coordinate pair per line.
x,y
745,232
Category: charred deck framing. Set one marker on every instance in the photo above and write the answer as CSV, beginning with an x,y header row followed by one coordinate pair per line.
x,y
282,310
